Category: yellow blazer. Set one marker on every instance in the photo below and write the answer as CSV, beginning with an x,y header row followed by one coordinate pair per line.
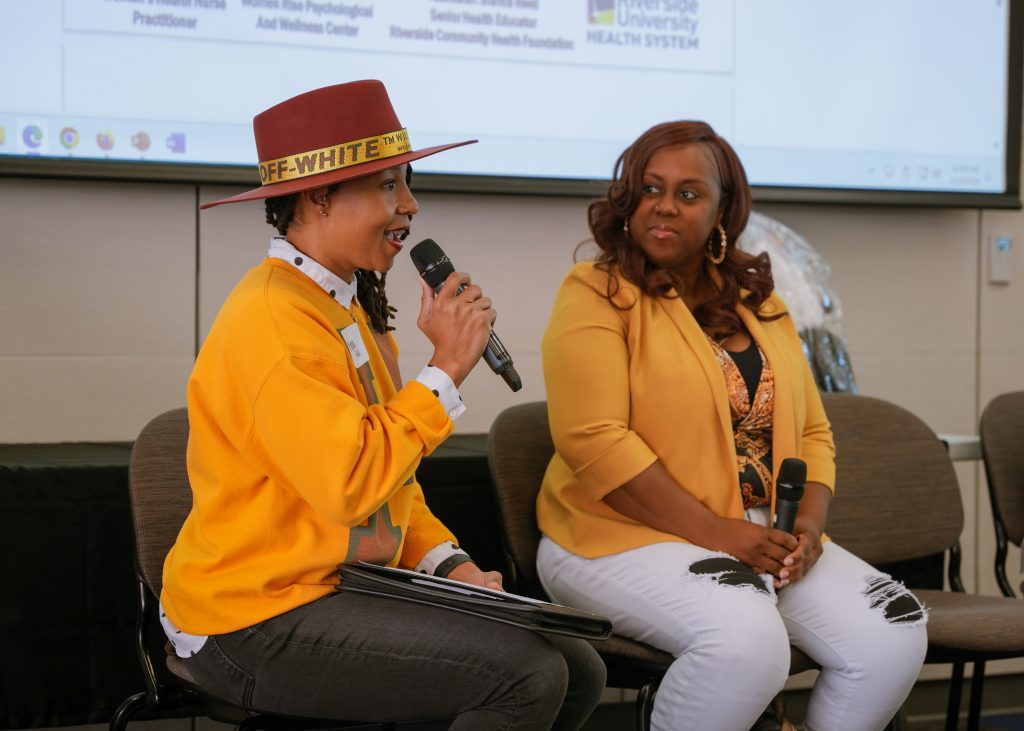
x,y
627,387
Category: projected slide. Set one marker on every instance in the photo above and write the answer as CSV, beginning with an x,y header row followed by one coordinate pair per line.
x,y
876,94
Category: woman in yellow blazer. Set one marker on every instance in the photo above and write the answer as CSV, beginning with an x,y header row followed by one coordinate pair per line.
x,y
677,385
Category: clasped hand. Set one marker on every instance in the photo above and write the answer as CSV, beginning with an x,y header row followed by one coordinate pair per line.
x,y
786,557
457,324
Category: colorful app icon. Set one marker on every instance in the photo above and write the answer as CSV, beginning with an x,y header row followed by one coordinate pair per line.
x,y
32,136
69,137
601,12
105,140
3,135
140,141
176,142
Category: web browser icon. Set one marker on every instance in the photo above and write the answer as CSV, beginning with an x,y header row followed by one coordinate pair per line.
x,y
32,136
176,142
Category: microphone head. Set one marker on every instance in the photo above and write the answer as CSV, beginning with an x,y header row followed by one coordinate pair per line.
x,y
431,262
792,479
793,471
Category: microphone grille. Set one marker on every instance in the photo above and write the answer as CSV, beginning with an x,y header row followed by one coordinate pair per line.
x,y
431,262
793,471
424,253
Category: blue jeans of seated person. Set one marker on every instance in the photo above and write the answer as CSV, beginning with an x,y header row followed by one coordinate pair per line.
x,y
358,657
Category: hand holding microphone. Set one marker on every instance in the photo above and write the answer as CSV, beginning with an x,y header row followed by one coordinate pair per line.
x,y
435,268
789,491
757,546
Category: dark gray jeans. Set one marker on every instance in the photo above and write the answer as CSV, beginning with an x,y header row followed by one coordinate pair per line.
x,y
365,658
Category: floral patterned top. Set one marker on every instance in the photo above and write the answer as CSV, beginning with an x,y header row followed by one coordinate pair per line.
x,y
751,412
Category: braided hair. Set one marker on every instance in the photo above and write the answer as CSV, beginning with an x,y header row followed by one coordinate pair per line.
x,y
370,290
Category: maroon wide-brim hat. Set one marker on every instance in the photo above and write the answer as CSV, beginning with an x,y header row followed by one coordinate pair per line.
x,y
328,135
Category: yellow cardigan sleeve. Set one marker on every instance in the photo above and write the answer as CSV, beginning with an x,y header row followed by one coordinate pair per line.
x,y
586,369
817,448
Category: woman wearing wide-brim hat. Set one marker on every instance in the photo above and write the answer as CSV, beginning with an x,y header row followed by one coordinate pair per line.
x,y
302,453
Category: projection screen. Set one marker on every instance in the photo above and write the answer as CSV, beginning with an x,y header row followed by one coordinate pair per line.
x,y
915,101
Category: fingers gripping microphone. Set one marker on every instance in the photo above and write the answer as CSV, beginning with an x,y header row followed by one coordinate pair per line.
x,y
789,489
435,267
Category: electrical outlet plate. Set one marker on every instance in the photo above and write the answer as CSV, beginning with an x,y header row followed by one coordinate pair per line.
x,y
1000,259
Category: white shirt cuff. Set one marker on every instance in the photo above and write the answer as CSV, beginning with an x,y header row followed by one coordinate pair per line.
x,y
433,558
442,386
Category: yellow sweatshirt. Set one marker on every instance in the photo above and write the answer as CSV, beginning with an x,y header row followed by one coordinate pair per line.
x,y
293,469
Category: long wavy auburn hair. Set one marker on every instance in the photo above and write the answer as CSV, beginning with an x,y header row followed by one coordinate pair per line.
x,y
744,277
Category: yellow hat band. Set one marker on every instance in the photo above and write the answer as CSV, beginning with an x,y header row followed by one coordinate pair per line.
x,y
335,157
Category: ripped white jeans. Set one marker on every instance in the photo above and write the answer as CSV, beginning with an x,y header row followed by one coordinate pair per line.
x,y
730,632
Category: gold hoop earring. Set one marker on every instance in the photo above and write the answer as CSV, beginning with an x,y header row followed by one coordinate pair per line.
x,y
323,211
711,247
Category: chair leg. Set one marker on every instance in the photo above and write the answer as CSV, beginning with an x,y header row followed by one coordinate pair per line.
x,y
126,710
645,704
956,683
977,688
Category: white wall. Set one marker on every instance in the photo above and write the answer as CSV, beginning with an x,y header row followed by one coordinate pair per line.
x,y
97,303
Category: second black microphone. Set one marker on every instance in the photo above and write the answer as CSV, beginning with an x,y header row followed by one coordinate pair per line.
x,y
790,490
435,267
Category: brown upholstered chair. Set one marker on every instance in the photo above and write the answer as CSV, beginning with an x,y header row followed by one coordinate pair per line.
x,y
519,449
1002,448
897,499
160,501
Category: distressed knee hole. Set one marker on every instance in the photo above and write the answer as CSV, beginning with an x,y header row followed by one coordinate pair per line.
x,y
728,571
895,601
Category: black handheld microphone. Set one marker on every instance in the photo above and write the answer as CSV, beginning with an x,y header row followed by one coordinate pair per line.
x,y
435,267
789,488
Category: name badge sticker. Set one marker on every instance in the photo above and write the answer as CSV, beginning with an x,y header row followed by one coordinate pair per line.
x,y
354,341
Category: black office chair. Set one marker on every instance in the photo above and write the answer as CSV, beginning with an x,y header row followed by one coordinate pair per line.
x,y
160,501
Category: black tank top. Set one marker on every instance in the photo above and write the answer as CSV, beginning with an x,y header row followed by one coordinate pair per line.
x,y
748,362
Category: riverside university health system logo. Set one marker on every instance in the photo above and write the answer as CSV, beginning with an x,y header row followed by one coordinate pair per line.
x,y
649,24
